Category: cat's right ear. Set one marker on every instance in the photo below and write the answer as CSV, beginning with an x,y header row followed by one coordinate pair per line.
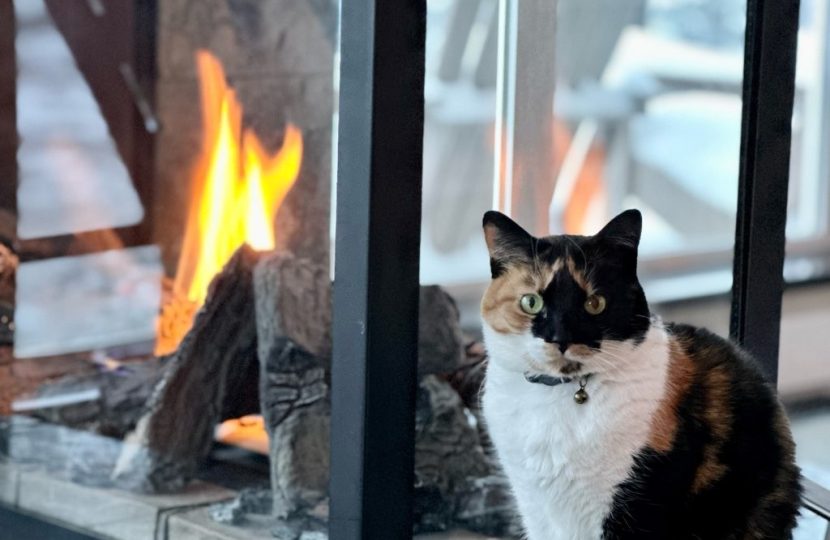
x,y
506,240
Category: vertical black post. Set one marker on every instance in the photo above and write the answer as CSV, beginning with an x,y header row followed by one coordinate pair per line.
x,y
376,268
769,87
8,112
8,161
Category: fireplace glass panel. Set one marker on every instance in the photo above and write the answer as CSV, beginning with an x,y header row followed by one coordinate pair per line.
x,y
164,265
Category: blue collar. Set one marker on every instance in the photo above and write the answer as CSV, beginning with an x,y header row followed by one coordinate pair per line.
x,y
550,380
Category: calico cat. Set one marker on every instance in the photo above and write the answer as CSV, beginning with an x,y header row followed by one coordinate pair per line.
x,y
611,424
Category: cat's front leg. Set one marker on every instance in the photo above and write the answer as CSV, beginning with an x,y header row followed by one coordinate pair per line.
x,y
538,511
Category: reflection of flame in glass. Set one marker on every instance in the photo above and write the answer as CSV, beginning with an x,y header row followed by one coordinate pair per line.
x,y
237,191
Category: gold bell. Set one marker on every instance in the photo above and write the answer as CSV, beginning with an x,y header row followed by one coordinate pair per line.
x,y
581,396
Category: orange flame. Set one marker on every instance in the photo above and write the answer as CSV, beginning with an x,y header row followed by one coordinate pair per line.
x,y
238,189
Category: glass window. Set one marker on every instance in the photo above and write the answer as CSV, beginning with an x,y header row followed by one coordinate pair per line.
x,y
563,129
459,137
803,375
565,132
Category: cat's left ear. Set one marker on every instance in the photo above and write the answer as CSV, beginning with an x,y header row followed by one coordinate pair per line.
x,y
507,241
624,230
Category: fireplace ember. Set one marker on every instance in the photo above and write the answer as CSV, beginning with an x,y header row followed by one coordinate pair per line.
x,y
245,432
237,189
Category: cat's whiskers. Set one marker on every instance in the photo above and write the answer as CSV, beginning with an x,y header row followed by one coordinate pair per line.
x,y
527,357
621,354
613,345
615,363
649,318
612,369
610,365
617,357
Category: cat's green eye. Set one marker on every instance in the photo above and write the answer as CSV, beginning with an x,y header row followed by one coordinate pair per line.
x,y
531,304
595,304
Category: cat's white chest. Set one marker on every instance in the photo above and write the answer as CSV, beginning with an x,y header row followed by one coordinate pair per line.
x,y
564,459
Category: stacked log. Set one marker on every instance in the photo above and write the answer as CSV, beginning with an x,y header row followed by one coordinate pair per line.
x,y
211,376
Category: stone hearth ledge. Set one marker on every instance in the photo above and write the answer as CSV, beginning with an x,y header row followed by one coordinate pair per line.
x,y
109,512
123,515
197,524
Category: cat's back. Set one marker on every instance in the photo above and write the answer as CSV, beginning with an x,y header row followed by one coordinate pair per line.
x,y
720,460
710,352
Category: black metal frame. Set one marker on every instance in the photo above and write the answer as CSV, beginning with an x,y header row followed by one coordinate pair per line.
x,y
758,272
375,326
769,88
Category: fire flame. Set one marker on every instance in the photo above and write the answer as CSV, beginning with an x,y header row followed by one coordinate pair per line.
x,y
236,194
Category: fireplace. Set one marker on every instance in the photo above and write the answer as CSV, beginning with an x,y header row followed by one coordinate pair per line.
x,y
164,255
166,322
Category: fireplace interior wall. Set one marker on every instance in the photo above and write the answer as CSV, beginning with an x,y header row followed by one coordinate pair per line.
x,y
282,72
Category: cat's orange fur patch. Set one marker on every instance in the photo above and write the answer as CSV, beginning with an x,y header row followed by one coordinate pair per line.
x,y
580,350
718,416
664,423
500,304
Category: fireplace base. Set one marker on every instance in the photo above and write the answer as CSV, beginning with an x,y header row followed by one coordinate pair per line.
x,y
39,475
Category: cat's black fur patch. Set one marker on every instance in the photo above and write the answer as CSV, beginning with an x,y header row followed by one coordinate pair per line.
x,y
758,494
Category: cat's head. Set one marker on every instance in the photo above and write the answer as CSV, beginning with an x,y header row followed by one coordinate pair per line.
x,y
562,305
